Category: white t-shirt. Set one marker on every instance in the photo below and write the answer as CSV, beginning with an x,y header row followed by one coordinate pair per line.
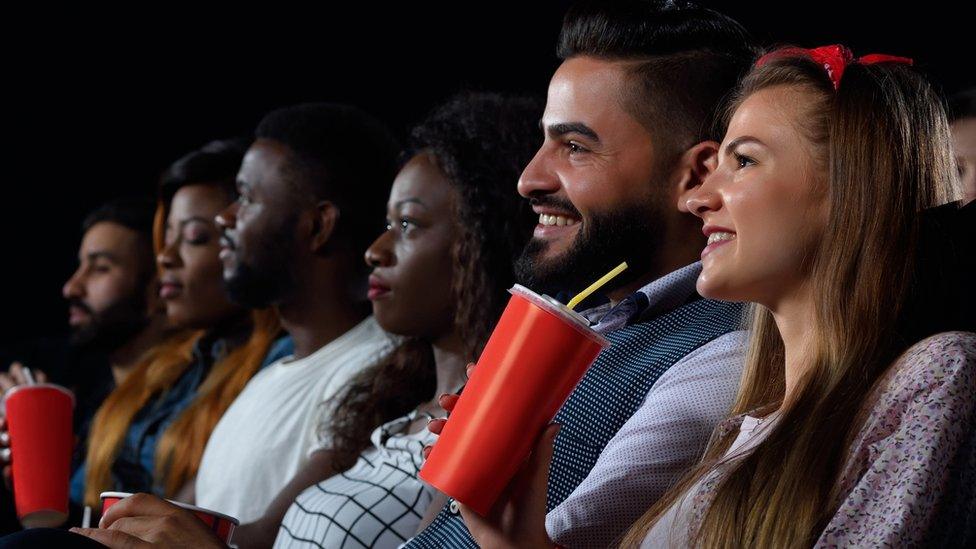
x,y
271,428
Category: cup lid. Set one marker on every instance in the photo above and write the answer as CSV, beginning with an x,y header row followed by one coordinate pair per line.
x,y
187,506
560,310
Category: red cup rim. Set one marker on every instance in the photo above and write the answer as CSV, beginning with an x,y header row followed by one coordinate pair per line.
x,y
16,388
187,506
559,310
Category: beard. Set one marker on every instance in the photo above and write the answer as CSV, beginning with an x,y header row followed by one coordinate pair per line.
x,y
633,234
111,328
270,275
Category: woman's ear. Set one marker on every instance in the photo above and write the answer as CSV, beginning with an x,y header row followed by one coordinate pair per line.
x,y
695,165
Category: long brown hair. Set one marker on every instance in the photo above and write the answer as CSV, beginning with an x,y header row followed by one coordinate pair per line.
x,y
181,446
883,141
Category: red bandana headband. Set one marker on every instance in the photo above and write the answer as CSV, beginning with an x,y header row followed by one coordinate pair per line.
x,y
834,59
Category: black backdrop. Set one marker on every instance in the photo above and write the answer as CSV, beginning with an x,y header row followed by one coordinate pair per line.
x,y
98,101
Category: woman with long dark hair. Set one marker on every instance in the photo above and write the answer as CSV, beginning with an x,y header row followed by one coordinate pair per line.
x,y
149,434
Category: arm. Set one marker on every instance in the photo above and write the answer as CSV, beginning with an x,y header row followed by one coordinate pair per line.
x,y
262,532
902,460
663,438
440,499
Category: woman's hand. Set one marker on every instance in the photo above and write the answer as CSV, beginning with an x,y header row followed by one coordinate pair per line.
x,y
446,401
144,521
518,519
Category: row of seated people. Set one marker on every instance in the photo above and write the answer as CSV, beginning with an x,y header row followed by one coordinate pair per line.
x,y
811,342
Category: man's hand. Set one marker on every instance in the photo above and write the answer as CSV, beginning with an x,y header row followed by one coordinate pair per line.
x,y
518,519
8,380
144,521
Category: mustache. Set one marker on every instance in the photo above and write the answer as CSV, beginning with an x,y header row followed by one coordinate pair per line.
x,y
78,303
556,203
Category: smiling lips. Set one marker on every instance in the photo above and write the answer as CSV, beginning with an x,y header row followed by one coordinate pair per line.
x,y
717,236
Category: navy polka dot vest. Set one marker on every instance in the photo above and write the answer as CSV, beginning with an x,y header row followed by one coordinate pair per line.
x,y
612,391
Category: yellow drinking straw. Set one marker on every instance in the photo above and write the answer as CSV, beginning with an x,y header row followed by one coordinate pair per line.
x,y
596,285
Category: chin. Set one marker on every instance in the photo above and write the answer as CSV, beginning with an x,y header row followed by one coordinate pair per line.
x,y
709,287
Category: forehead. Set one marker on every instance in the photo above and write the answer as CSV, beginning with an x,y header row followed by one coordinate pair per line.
x,y
200,200
591,91
264,162
107,236
421,179
773,115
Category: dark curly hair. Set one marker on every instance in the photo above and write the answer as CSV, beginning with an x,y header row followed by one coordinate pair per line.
x,y
481,141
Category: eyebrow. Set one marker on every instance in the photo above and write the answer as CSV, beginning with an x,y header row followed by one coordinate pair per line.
x,y
741,140
185,222
417,201
562,128
93,256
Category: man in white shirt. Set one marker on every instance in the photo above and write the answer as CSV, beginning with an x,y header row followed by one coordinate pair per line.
x,y
295,239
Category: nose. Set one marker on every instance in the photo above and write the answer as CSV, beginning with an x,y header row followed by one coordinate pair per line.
x,y
537,177
167,258
74,288
379,253
227,218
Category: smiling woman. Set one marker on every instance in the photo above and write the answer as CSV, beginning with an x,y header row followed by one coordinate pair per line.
x,y
812,213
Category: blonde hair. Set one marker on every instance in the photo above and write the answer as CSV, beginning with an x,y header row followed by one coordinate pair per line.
x,y
884,141
181,446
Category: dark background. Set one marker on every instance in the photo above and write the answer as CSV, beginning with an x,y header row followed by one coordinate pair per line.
x,y
98,103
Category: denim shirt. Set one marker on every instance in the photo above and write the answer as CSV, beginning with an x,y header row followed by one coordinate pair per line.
x,y
135,465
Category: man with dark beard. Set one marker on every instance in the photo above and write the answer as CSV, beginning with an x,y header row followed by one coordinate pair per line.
x,y
627,138
111,312
311,200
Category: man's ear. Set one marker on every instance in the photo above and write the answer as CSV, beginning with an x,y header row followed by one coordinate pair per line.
x,y
323,225
695,165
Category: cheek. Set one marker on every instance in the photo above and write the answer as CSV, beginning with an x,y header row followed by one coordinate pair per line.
x,y
106,291
204,273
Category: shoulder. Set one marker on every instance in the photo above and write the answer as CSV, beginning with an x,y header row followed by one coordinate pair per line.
x,y
941,360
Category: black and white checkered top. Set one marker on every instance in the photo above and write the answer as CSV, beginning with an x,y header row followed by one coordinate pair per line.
x,y
378,503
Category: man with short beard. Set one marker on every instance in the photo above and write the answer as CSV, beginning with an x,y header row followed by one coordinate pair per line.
x,y
311,200
111,311
627,138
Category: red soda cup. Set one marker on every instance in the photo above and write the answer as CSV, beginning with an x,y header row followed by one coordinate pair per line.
x,y
220,524
41,439
535,357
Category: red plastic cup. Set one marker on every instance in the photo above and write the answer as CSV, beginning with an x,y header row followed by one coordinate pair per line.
x,y
535,357
219,523
41,439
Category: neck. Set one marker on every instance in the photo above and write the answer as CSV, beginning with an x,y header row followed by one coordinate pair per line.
x,y
669,259
320,310
450,362
125,358
796,319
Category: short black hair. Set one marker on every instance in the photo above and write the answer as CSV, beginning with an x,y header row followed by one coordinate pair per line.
x,y
962,105
688,60
341,154
134,213
215,163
